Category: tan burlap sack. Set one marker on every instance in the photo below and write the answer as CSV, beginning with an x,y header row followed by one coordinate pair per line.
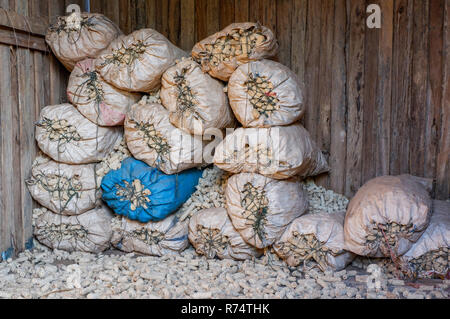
x,y
221,53
152,139
97,100
137,61
74,38
67,136
430,254
195,100
89,232
386,216
265,93
167,236
212,234
261,208
316,239
64,189
278,152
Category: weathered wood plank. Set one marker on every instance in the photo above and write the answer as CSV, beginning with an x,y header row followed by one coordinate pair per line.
x,y
269,15
174,21
283,31
241,12
212,17
140,14
299,11
9,37
226,13
12,19
187,32
112,11
124,20
200,20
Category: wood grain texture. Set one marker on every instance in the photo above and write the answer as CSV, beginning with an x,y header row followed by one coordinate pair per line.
x,y
187,32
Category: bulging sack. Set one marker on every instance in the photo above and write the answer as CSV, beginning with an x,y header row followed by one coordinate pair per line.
x,y
153,139
67,136
221,53
278,152
315,239
195,100
265,93
137,61
160,238
261,208
97,100
144,193
75,37
386,216
64,189
89,232
430,254
212,234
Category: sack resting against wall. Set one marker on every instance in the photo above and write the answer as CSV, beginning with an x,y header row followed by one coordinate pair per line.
x,y
430,254
153,139
89,232
97,100
318,238
67,136
195,100
64,189
386,216
212,234
77,37
221,53
278,152
261,208
265,93
153,238
137,61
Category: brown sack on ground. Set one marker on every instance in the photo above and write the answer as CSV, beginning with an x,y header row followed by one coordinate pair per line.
x,y
74,38
137,61
265,93
386,216
64,189
278,152
195,100
212,234
221,53
261,208
97,100
315,239
430,254
152,139
89,232
67,136
167,236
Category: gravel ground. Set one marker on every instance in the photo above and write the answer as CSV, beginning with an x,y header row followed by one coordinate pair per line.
x,y
43,273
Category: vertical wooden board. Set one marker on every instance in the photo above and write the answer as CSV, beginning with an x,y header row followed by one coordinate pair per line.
x,y
162,17
140,16
4,4
97,6
283,31
55,8
150,12
174,21
443,165
241,10
355,96
124,19
254,10
401,87
21,7
384,88
187,32
420,67
299,11
200,20
269,14
132,15
112,11
226,13
212,17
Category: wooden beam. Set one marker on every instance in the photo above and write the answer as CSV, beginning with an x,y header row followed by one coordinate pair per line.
x,y
22,40
13,20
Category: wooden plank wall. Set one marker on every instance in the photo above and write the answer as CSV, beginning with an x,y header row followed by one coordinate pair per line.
x,y
377,100
30,79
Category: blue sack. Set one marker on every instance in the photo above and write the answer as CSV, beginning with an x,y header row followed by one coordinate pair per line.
x,y
140,192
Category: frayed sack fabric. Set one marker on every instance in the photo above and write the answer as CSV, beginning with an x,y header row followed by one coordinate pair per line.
x,y
221,53
266,93
386,216
430,254
137,61
140,192
152,139
278,152
169,236
315,239
97,100
261,208
64,189
194,99
212,234
76,37
67,136
89,232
